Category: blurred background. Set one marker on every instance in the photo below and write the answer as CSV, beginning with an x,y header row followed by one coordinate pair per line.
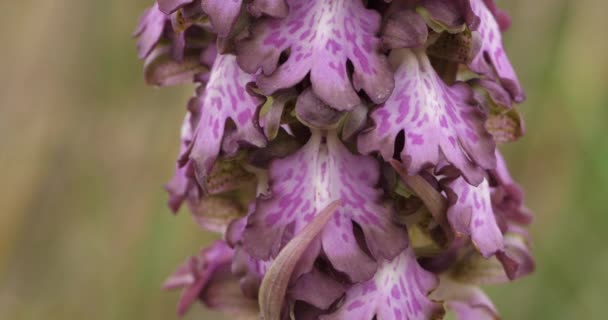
x,y
85,148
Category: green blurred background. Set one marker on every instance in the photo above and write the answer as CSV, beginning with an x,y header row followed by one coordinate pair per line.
x,y
85,148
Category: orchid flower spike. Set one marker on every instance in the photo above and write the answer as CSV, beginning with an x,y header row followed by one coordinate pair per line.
x,y
345,151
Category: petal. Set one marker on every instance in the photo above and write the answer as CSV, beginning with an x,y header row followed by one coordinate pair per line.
x,y
273,8
272,112
399,290
224,192
468,302
504,123
225,97
318,289
472,214
197,272
161,69
430,196
355,121
515,262
169,6
223,14
448,15
404,29
507,195
505,126
274,284
321,36
149,30
439,121
502,18
304,183
223,293
491,56
183,185
214,213
314,113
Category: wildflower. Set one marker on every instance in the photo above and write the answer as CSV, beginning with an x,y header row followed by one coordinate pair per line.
x,y
346,153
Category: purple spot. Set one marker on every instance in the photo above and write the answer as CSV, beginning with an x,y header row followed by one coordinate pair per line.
x,y
244,116
395,292
354,305
416,139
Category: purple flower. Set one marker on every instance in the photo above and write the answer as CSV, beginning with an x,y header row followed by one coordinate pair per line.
x,y
347,153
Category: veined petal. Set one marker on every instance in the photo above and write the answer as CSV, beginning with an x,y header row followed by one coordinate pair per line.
x,y
491,56
225,97
320,36
399,290
439,121
303,184
471,213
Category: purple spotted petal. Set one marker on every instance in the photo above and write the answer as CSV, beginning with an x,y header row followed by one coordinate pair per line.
x,y
197,272
439,121
491,56
224,98
304,183
472,214
149,30
321,37
398,291
210,208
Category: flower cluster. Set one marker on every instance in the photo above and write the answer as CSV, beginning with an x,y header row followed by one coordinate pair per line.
x,y
345,150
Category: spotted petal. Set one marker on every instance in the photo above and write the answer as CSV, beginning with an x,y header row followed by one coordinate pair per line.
x,y
224,98
491,56
398,291
223,194
439,121
321,36
303,184
472,214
